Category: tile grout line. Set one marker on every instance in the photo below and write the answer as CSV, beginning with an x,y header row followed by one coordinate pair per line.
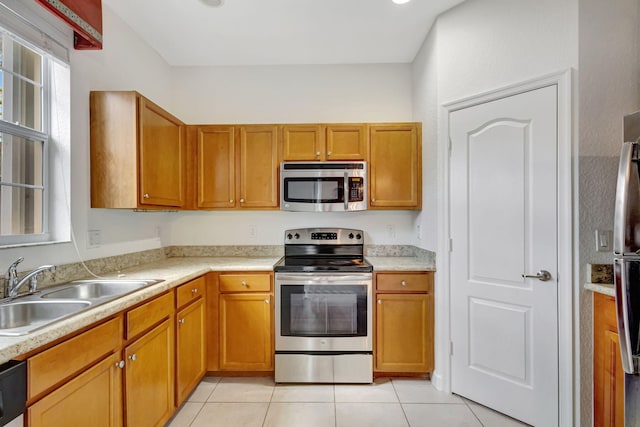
x,y
204,403
266,413
472,411
395,390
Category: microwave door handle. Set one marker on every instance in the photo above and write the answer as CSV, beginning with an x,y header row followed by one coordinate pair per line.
x,y
345,193
622,198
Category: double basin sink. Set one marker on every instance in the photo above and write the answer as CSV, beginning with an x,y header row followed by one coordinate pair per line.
x,y
23,315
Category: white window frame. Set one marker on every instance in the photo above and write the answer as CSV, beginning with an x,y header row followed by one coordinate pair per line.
x,y
8,127
32,26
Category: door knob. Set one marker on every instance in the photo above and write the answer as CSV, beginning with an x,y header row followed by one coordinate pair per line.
x,y
542,275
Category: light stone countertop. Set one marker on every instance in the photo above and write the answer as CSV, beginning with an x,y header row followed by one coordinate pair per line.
x,y
602,288
399,263
174,272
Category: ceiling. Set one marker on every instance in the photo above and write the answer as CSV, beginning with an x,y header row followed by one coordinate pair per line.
x,y
268,32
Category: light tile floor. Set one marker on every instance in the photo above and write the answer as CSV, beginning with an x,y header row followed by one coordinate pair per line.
x,y
259,402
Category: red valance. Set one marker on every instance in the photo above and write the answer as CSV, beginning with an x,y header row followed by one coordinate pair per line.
x,y
84,16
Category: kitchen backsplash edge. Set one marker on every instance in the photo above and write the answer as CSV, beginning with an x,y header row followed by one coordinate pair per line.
x,y
74,271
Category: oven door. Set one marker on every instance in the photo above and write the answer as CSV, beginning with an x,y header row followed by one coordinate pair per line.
x,y
323,312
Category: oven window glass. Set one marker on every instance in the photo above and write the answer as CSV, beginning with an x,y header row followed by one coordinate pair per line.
x,y
314,190
324,310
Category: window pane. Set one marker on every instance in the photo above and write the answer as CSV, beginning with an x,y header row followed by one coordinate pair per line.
x,y
21,160
20,210
26,62
26,104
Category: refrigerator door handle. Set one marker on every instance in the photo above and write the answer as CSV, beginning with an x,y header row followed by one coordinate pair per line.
x,y
622,315
622,199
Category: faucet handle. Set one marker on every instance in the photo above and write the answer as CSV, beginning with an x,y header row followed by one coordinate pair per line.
x,y
12,271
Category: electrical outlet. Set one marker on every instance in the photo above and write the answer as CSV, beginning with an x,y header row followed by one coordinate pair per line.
x,y
419,231
604,240
252,232
95,239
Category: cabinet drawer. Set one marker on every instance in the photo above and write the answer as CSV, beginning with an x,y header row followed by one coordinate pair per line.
x,y
69,357
245,282
190,291
405,282
142,318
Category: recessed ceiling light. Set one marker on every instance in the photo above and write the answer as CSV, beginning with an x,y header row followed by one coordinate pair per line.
x,y
401,1
213,3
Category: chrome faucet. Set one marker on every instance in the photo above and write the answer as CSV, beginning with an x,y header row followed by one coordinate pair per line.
x,y
12,284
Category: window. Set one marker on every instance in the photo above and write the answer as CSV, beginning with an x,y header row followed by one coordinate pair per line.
x,y
28,96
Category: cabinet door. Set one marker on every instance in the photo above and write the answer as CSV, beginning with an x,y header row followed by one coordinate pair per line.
x,y
259,167
346,142
404,333
216,150
190,349
395,167
149,377
302,142
162,152
608,376
93,398
245,332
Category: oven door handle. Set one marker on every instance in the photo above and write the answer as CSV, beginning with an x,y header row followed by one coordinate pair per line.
x,y
329,278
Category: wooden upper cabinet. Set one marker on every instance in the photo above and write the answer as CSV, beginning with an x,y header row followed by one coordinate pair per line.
x,y
216,158
237,166
302,142
138,153
315,142
258,167
346,142
395,166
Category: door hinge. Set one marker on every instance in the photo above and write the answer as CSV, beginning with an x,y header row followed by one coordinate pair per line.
x,y
450,348
450,144
450,244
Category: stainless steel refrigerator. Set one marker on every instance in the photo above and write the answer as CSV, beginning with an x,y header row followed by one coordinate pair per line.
x,y
626,263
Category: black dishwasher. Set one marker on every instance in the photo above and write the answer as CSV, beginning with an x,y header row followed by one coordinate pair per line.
x,y
13,390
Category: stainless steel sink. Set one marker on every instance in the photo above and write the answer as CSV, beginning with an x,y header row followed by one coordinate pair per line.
x,y
26,314
97,289
19,318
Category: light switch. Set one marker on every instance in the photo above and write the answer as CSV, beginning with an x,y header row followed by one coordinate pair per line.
x,y
603,240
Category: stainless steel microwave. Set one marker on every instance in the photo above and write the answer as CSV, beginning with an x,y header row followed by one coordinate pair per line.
x,y
323,186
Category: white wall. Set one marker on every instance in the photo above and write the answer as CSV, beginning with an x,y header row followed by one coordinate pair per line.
x,y
609,89
290,94
125,63
476,47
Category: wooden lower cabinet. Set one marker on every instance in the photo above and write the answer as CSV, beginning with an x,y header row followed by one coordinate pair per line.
x,y
93,398
245,337
149,377
190,348
608,375
404,323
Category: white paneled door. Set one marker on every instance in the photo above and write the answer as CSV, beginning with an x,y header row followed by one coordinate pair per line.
x,y
503,217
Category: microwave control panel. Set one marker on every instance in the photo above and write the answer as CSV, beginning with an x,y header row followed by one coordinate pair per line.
x,y
356,189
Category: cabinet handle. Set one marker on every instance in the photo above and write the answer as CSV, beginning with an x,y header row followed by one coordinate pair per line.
x,y
243,283
230,200
194,291
241,200
379,301
328,153
120,364
403,283
145,196
181,321
133,357
317,153
373,200
267,301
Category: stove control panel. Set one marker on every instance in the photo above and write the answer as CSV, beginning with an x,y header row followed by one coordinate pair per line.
x,y
324,236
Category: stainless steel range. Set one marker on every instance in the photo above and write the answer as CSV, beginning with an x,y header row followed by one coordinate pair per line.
x,y
323,319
